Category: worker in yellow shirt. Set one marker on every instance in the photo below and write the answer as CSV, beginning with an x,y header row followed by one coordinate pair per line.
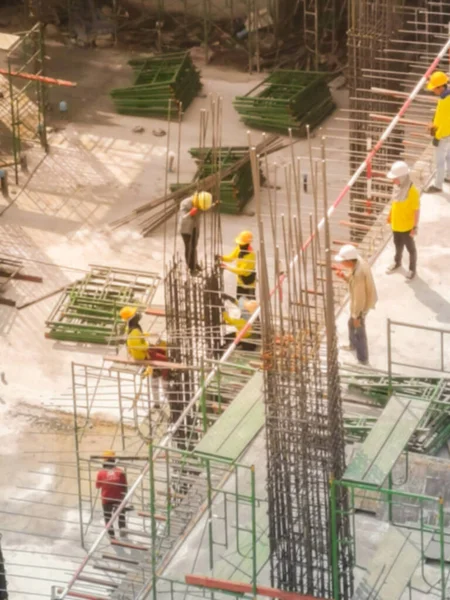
x,y
139,349
244,309
440,130
404,216
245,268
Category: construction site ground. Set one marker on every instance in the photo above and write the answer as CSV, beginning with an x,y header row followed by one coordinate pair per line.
x,y
97,170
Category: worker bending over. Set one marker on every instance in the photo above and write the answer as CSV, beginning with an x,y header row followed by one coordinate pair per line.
x,y
139,349
245,268
247,308
404,216
112,482
363,297
440,130
189,226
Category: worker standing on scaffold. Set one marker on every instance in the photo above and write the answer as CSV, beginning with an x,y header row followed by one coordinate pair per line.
x,y
112,482
139,349
440,130
245,268
189,226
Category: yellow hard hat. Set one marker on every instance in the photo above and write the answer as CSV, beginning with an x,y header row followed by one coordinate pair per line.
x,y
203,200
127,312
244,238
250,306
109,454
437,79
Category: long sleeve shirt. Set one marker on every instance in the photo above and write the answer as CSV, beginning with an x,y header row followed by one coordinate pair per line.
x,y
363,293
188,217
245,268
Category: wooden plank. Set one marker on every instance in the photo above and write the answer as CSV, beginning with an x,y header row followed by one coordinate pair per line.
x,y
148,515
393,565
95,581
131,546
238,425
374,460
129,561
155,312
243,588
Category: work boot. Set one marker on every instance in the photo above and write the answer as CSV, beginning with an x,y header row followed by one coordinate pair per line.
x,y
447,180
364,363
410,275
433,190
392,268
347,348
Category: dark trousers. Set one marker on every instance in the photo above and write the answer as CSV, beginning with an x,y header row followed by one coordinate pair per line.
x,y
108,510
402,239
247,292
190,248
358,339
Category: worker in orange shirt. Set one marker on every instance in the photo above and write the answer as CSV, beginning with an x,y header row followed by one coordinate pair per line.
x,y
112,482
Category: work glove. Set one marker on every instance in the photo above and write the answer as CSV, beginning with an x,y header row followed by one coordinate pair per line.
x,y
435,142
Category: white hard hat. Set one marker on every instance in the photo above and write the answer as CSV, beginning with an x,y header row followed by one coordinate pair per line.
x,y
398,169
347,252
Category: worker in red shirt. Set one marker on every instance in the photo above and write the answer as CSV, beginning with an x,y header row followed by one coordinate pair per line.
x,y
112,482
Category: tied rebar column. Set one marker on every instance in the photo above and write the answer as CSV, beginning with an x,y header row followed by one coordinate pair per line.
x,y
304,423
193,318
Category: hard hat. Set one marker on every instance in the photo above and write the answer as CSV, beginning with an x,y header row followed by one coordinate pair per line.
x,y
250,306
438,79
127,312
109,454
203,200
398,169
244,238
347,252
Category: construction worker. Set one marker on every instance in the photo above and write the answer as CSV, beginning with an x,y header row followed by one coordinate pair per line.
x,y
139,349
245,268
112,482
189,226
404,216
246,308
440,130
363,297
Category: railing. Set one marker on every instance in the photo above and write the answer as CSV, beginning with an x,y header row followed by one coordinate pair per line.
x,y
443,360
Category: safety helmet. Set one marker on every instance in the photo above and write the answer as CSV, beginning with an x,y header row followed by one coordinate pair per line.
x,y
127,312
398,169
203,200
437,79
109,454
347,252
244,238
251,305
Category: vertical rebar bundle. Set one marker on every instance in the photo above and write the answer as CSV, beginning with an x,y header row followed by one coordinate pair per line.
x,y
304,425
193,319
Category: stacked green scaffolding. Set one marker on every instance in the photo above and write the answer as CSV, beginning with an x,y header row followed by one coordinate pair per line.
x,y
160,83
236,190
88,310
287,100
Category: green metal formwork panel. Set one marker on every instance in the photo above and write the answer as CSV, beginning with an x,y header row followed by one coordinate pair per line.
x,y
238,425
389,572
375,459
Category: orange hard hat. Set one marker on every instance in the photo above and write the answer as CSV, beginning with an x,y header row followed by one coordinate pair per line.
x,y
244,238
127,312
437,79
109,454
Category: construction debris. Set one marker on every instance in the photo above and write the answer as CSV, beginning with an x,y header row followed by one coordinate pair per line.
x,y
162,86
88,310
287,100
12,269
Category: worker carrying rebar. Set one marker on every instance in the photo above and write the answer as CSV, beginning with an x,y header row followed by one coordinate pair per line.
x,y
139,349
404,216
363,297
112,482
238,316
440,130
245,267
189,226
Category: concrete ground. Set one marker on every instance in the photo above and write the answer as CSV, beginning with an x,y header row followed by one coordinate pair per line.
x,y
97,171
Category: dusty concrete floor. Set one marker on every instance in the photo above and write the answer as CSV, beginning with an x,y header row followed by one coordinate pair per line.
x,y
98,170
